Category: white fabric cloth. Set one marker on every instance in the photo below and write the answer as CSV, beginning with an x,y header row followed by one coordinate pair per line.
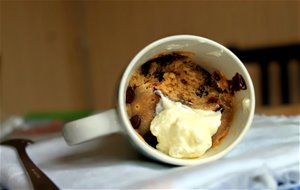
x,y
267,158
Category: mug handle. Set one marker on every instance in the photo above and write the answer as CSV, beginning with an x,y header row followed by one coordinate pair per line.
x,y
91,127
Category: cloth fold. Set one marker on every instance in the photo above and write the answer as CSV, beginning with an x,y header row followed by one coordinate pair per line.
x,y
267,158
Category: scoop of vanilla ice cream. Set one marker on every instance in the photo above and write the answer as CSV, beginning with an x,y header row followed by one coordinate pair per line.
x,y
183,132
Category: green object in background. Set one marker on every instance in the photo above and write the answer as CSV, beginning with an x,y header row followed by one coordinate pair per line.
x,y
63,116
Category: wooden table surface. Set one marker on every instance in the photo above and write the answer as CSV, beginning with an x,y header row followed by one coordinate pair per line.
x,y
293,109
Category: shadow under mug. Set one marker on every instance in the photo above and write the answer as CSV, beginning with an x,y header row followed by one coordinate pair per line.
x,y
211,56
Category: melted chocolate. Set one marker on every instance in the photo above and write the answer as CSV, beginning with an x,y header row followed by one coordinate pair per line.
x,y
150,139
162,60
237,83
135,121
216,76
129,95
159,75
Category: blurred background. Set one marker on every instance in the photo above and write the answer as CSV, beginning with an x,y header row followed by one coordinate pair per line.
x,y
59,56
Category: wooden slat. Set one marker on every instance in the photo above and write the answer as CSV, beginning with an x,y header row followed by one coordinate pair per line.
x,y
40,58
264,56
265,87
284,82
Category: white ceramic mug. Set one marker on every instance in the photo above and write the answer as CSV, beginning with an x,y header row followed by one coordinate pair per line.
x,y
212,56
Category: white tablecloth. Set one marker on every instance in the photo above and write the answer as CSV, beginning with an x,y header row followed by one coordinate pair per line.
x,y
267,158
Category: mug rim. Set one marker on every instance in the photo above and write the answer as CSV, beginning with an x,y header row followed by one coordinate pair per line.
x,y
138,142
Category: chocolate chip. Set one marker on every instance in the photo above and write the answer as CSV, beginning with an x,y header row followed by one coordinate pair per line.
x,y
238,83
201,91
159,75
166,59
146,67
216,76
220,90
135,121
162,60
130,95
208,81
150,139
216,87
183,81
